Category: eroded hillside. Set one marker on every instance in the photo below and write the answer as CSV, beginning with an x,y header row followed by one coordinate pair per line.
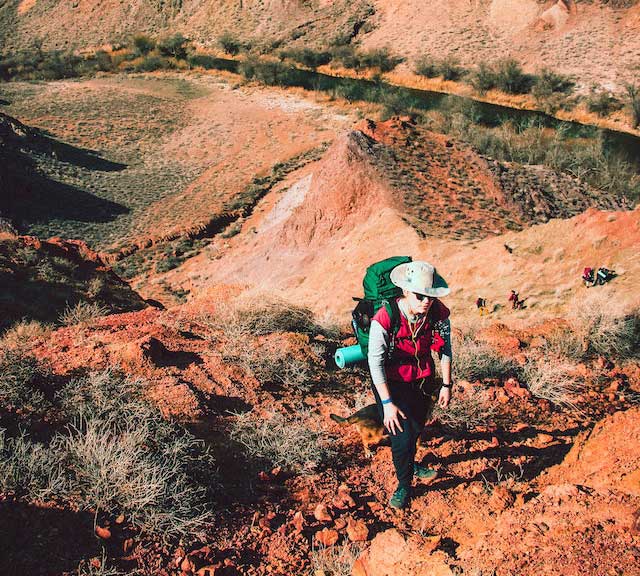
x,y
569,37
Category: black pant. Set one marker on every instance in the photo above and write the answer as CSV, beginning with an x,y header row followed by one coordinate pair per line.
x,y
415,404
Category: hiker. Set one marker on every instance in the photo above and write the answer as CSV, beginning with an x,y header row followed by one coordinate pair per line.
x,y
588,277
481,305
516,303
603,275
403,370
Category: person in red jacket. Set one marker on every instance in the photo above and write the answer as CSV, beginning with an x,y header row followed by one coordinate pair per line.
x,y
403,370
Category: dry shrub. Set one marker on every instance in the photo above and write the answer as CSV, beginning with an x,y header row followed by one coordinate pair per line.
x,y
297,442
267,337
554,380
465,412
605,327
475,360
119,455
272,360
29,469
564,343
82,312
335,560
23,382
22,334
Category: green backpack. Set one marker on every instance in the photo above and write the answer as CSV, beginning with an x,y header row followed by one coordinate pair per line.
x,y
378,291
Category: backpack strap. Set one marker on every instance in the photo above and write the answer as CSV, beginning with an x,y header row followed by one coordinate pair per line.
x,y
394,315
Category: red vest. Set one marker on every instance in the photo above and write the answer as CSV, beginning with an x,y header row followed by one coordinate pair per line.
x,y
411,359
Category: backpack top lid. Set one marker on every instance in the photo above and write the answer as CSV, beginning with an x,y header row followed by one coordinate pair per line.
x,y
377,283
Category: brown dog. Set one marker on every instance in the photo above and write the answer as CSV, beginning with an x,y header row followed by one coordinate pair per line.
x,y
368,424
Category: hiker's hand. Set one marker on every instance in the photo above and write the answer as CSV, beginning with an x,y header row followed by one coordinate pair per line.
x,y
444,397
392,415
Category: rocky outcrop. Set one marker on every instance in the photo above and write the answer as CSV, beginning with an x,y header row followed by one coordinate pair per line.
x,y
606,457
40,278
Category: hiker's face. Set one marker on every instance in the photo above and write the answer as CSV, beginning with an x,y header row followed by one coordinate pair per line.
x,y
419,303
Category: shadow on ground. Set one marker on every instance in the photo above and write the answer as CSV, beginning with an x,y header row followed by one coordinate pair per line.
x,y
44,541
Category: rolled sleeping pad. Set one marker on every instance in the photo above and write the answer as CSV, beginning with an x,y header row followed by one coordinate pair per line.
x,y
349,355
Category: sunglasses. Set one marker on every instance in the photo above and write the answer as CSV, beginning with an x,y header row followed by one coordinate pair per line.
x,y
421,297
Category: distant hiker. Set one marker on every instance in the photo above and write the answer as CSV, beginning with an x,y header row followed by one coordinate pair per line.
x,y
599,277
603,275
516,303
403,370
588,277
481,305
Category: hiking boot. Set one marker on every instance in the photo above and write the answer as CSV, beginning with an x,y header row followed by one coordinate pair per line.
x,y
424,473
400,497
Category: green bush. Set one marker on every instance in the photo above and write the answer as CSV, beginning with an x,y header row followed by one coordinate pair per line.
x,y
307,57
103,61
152,63
450,68
229,43
484,78
427,66
379,58
24,382
270,73
175,46
143,44
347,56
602,102
634,104
511,79
548,82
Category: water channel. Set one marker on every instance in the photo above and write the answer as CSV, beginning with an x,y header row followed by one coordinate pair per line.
x,y
623,143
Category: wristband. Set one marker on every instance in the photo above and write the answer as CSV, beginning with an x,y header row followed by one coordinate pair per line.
x,y
387,401
443,385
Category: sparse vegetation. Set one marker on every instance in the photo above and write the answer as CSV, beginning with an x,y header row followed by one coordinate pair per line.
x,y
151,63
555,380
465,412
143,44
532,143
564,344
449,67
284,441
605,329
230,43
24,382
307,57
476,360
602,102
117,455
82,312
633,94
337,560
174,46
21,334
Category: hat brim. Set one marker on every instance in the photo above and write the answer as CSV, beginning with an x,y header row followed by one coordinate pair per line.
x,y
439,288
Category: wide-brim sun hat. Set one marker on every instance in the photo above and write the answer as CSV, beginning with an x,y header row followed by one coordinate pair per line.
x,y
420,277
